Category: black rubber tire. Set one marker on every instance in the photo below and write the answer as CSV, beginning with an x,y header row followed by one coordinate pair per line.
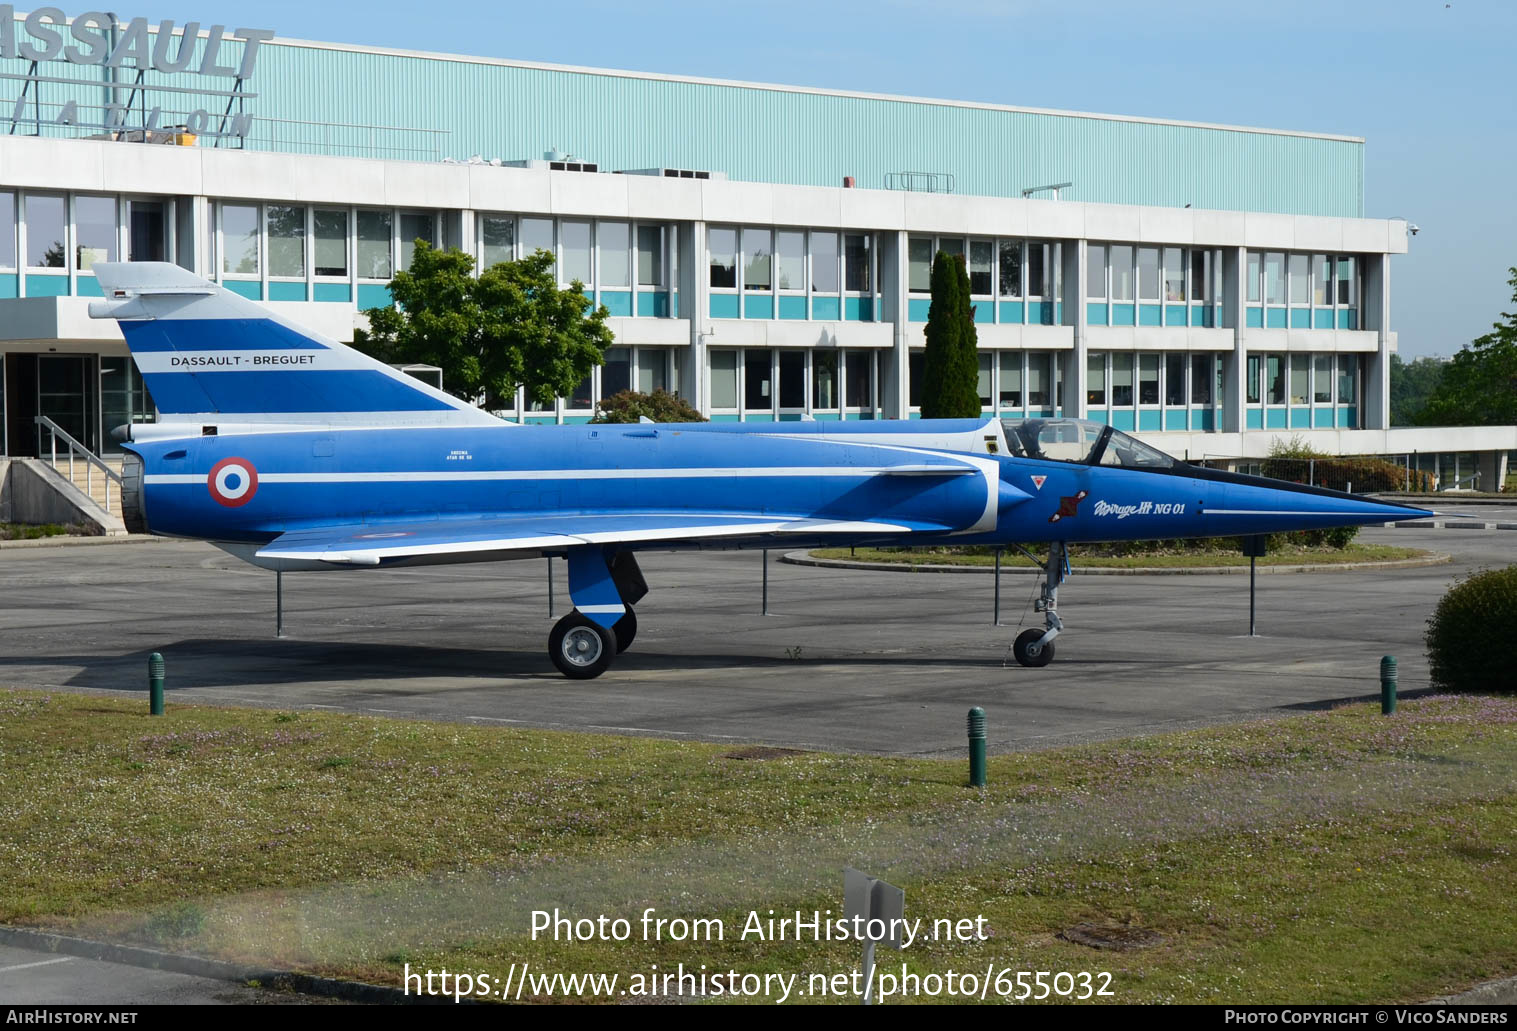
x,y
1027,638
625,630
579,648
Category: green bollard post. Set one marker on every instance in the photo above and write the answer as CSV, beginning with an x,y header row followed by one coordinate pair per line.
x,y
977,747
155,683
1388,686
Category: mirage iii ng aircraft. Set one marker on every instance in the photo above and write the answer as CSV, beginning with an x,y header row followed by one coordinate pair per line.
x,y
297,453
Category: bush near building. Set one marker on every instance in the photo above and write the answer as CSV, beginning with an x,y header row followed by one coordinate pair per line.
x,y
1469,632
632,405
1295,462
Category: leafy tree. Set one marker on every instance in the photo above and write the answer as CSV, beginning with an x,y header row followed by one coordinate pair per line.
x,y
1412,383
510,326
951,364
632,405
1479,386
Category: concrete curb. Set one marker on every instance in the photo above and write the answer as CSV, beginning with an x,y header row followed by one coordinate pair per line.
x,y
1501,992
803,558
215,969
65,541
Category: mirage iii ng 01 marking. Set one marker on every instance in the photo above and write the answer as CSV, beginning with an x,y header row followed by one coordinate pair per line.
x,y
295,452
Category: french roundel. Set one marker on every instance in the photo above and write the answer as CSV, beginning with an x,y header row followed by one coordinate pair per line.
x,y
233,482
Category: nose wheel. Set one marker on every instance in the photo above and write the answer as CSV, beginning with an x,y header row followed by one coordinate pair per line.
x,y
581,650
1034,648
1030,650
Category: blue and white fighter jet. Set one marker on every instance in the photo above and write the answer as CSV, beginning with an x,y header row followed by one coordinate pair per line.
x,y
295,452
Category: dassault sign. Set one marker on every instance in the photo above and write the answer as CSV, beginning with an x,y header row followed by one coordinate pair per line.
x,y
100,38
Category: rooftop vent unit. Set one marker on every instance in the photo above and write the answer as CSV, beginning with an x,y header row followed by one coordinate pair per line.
x,y
673,173
564,165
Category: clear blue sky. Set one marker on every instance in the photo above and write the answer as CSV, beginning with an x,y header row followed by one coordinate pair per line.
x,y
1429,83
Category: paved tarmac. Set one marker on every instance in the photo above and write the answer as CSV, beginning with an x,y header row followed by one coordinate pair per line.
x,y
880,662
33,978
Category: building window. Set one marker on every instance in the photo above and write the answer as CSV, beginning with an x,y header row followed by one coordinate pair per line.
x,y
536,235
1095,380
1348,379
287,241
982,381
793,378
758,380
95,232
724,380
722,244
1148,273
1201,376
7,231
953,246
1322,281
1300,370
1251,387
1174,380
1039,380
824,380
1348,294
757,258
575,264
790,259
497,239
918,264
331,244
239,239
1011,379
614,241
374,243
1198,285
1037,269
1274,375
1095,271
1121,380
1011,268
1254,277
650,255
46,231
858,370
1274,278
1121,272
824,264
1174,275
857,263
652,369
416,226
1300,279
981,258
1322,379
616,374
1148,379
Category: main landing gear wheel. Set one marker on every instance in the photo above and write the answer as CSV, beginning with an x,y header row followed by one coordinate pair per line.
x,y
625,630
581,650
1027,650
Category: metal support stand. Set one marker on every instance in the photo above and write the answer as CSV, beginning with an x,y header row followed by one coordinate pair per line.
x,y
279,603
996,621
550,586
1253,573
766,582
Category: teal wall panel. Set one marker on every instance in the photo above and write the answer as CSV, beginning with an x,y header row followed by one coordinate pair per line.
x,y
724,306
332,292
9,287
1274,418
373,295
1012,312
1254,318
287,291
792,307
759,417
859,309
756,306
1205,419
46,286
1301,419
1149,420
826,309
253,290
1322,318
1274,318
1124,419
1301,318
985,311
1348,318
724,418
1149,315
1322,418
617,302
1348,417
1123,314
653,304
1097,415
1255,419
1175,419
1174,315
1096,313
87,286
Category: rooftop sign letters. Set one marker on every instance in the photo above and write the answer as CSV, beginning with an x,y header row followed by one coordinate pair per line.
x,y
129,51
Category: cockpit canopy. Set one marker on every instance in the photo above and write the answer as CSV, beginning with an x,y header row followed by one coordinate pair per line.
x,y
1081,441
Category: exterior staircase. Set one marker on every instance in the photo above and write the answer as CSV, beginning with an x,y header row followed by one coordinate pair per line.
x,y
92,481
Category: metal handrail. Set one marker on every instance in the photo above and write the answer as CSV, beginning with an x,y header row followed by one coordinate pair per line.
x,y
92,461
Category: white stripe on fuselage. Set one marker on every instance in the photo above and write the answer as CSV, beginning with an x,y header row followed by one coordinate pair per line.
x,y
845,472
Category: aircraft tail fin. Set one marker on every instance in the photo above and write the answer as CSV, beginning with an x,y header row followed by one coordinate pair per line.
x,y
205,351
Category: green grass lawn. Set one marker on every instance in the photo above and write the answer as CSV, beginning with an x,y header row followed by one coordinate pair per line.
x,y
36,531
1335,856
1090,557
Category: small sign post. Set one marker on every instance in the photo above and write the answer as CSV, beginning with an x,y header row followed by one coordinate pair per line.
x,y
1254,545
879,910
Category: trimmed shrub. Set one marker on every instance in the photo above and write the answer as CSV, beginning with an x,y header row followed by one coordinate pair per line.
x,y
1469,634
660,406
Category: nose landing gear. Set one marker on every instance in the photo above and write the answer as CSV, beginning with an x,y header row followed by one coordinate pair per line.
x,y
1034,647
